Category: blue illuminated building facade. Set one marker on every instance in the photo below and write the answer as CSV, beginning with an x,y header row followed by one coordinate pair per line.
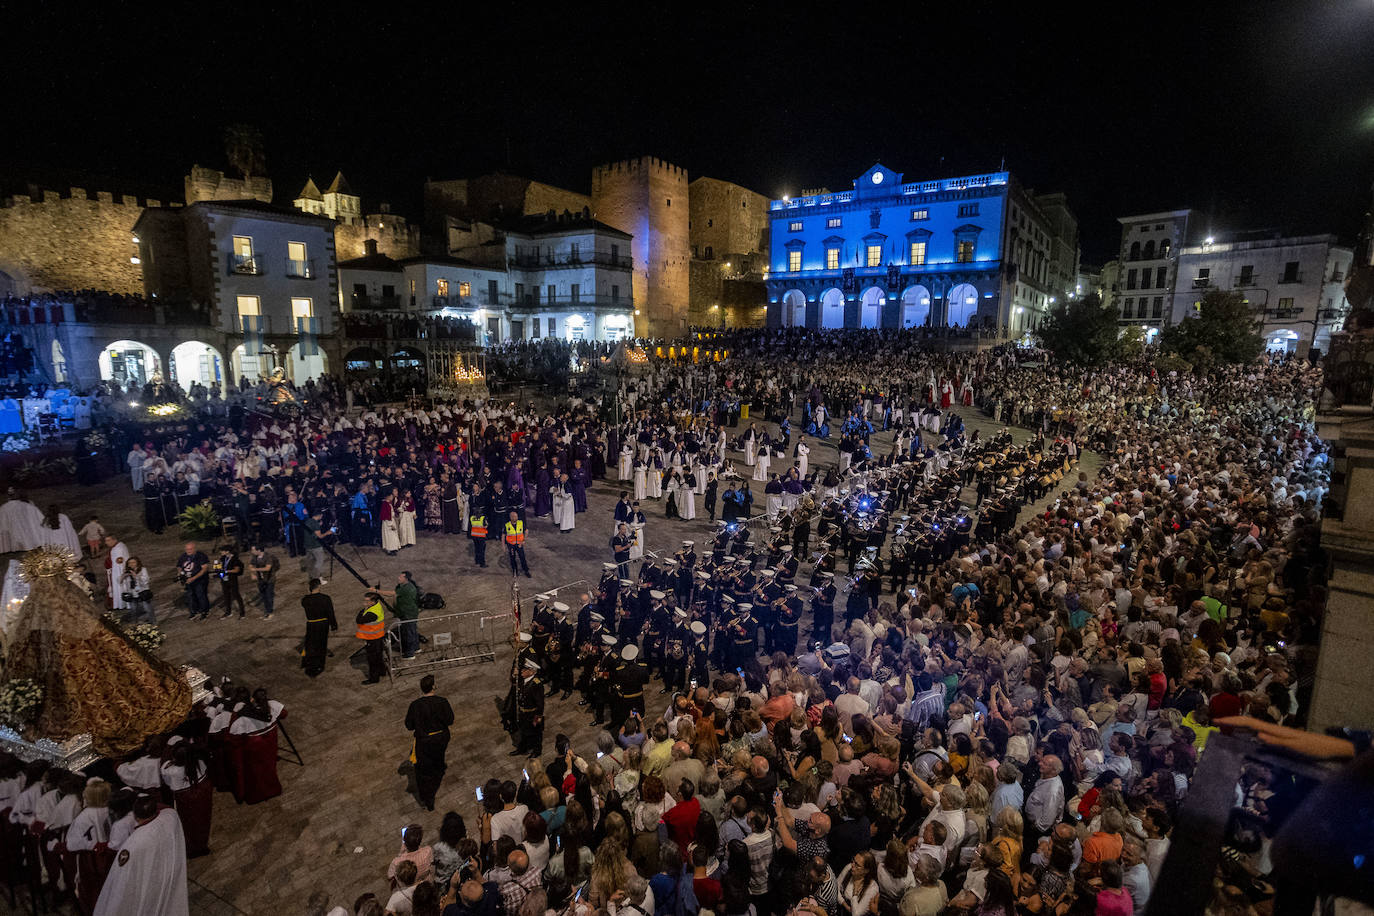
x,y
975,251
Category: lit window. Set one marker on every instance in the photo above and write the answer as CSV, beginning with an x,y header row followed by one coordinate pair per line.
x,y
296,263
833,222
964,251
465,289
794,260
874,256
441,286
249,305
832,259
302,308
794,226
918,253
243,246
920,214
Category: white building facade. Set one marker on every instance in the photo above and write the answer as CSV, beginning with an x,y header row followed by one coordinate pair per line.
x,y
538,277
266,273
1294,285
1146,273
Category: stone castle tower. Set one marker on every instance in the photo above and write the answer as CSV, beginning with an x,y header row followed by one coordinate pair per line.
x,y
647,198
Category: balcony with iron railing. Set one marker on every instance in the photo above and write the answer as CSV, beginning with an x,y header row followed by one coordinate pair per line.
x,y
1201,282
245,265
368,302
595,303
1245,280
484,300
300,270
568,259
1293,277
1283,314
1331,314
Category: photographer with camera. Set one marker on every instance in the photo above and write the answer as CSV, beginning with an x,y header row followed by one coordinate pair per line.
x,y
312,531
228,568
193,570
264,567
136,591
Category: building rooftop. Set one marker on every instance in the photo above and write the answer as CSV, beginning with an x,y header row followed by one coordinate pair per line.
x,y
310,191
1163,214
913,189
446,259
542,224
339,185
374,261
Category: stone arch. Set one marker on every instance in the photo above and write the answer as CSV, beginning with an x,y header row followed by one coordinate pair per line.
x,y
794,309
363,359
250,366
962,306
304,367
129,362
871,307
915,306
196,361
832,308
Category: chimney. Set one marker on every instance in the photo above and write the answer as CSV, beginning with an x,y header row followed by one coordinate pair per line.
x,y
370,246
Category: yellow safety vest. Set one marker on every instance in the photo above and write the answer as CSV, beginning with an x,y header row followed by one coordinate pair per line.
x,y
515,533
373,629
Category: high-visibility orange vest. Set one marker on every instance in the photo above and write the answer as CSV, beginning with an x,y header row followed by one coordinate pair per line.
x,y
515,532
477,526
373,629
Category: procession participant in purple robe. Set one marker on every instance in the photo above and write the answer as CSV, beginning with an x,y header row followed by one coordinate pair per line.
x,y
577,484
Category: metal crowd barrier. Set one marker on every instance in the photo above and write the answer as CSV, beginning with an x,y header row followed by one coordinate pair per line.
x,y
454,640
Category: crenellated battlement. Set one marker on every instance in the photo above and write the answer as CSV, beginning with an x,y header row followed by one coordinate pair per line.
x,y
45,197
644,164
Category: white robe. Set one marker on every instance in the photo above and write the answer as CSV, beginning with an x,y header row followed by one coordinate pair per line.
x,y
148,877
627,461
567,516
21,526
135,462
802,461
655,481
761,468
749,450
64,535
641,483
119,554
637,545
687,503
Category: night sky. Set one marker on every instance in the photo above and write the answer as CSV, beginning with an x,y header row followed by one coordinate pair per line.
x,y
1259,114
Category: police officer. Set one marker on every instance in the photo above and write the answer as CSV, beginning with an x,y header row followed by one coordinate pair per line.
x,y
529,713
